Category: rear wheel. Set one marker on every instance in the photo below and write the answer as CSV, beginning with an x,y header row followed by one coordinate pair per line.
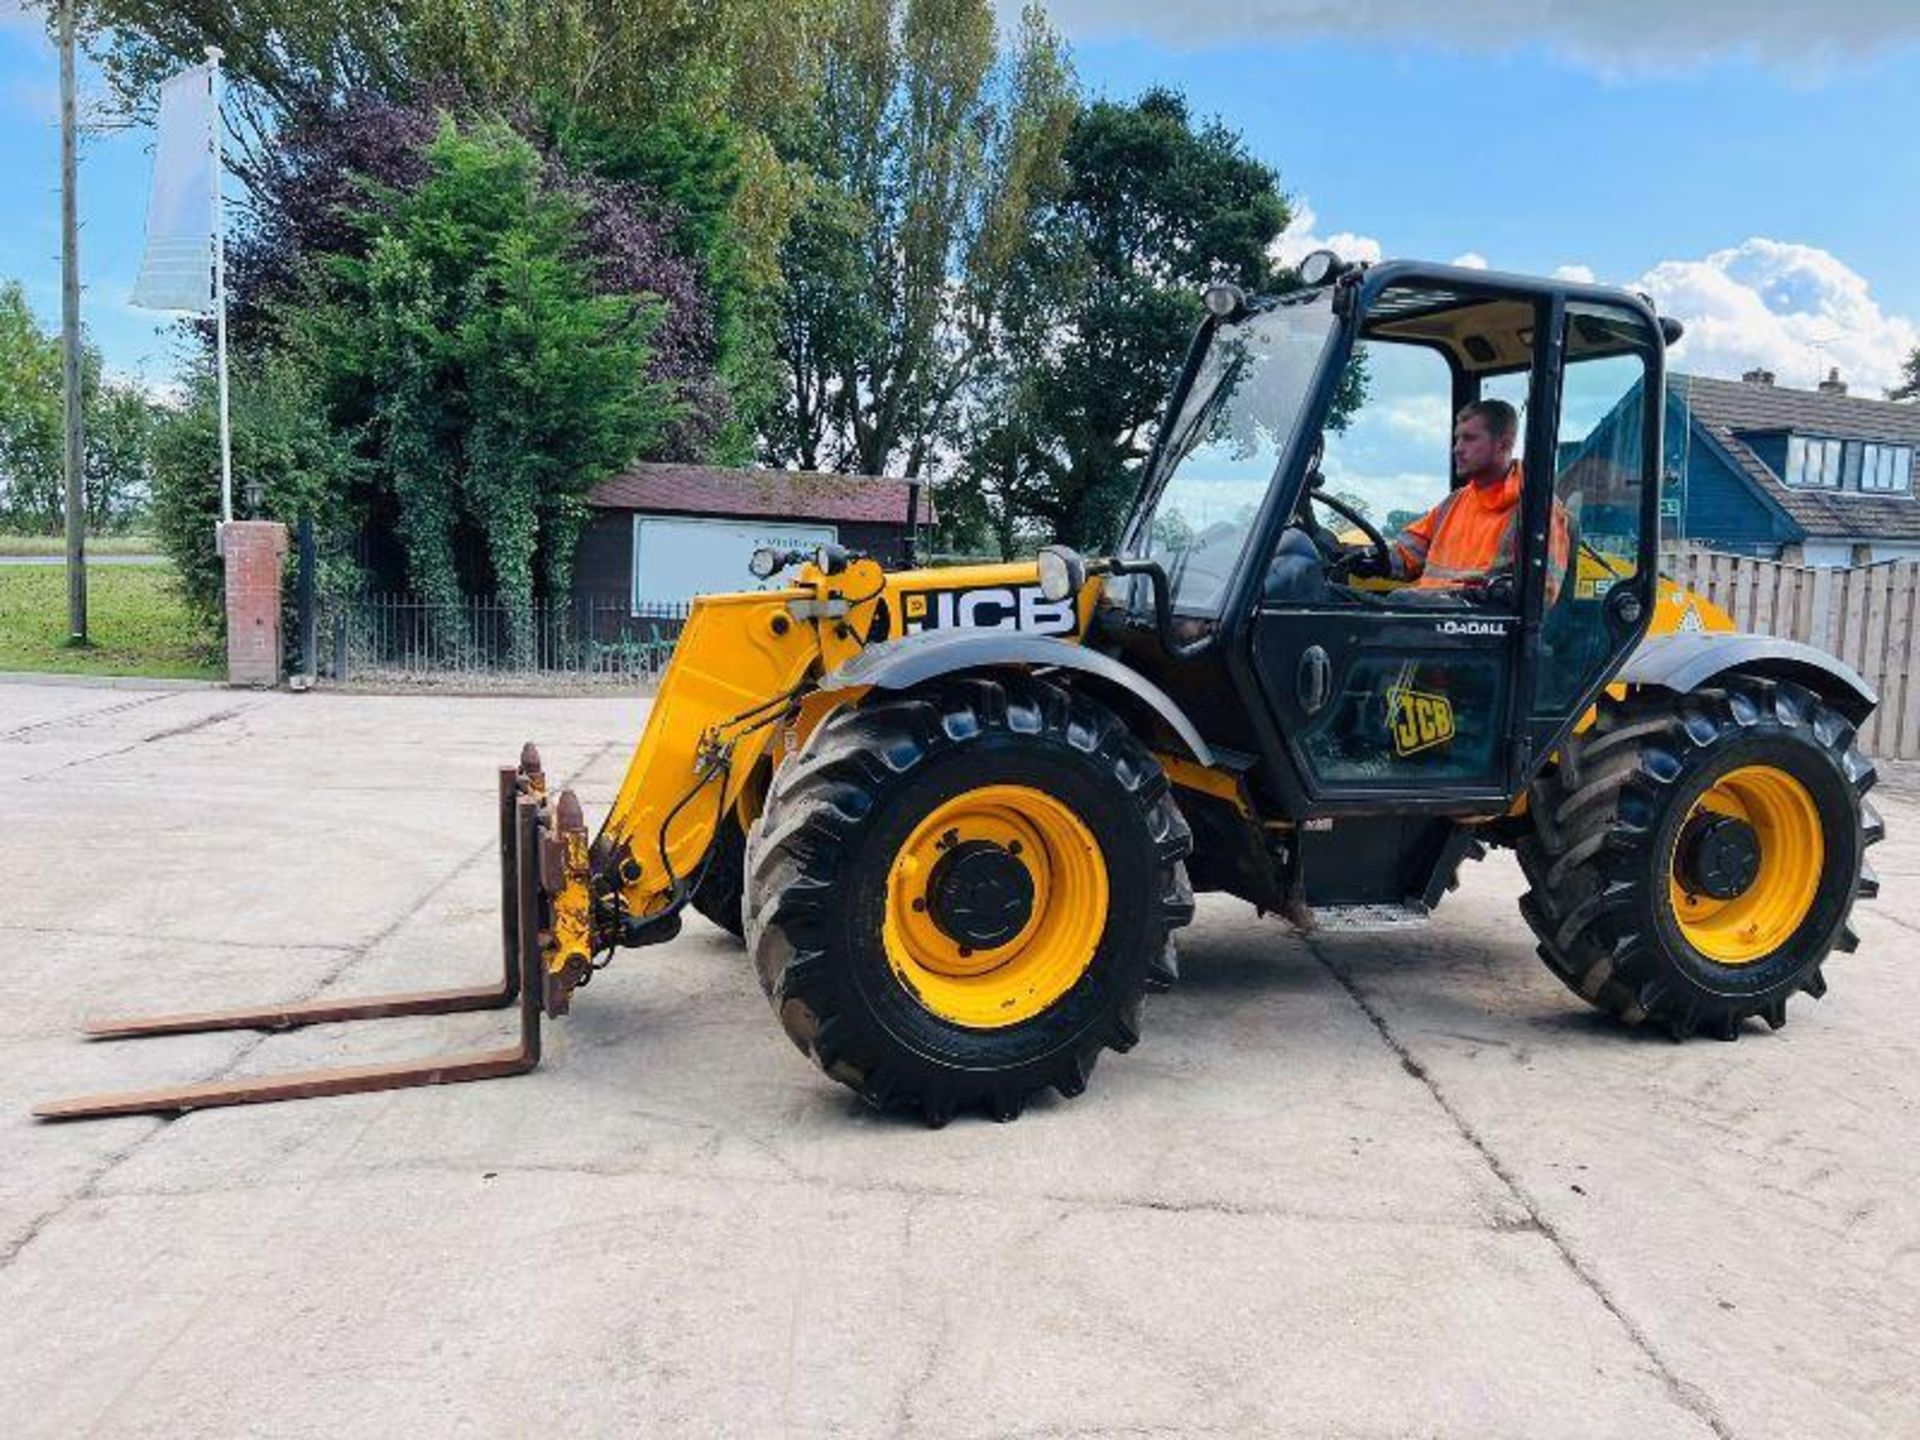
x,y
957,896
1695,857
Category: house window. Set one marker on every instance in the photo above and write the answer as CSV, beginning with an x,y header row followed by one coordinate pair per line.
x,y
1886,467
1814,464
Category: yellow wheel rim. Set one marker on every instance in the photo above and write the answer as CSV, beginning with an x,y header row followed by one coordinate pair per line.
x,y
1786,825
989,988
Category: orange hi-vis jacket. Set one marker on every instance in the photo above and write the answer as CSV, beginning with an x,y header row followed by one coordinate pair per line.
x,y
1469,537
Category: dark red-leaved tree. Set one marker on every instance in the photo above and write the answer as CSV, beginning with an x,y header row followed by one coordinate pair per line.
x,y
333,160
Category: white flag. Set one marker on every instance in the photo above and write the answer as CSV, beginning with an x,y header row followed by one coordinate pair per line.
x,y
176,273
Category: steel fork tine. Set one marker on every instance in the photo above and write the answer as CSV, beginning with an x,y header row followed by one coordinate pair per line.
x,y
525,980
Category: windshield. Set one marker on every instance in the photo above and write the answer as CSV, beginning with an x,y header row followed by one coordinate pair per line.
x,y
1225,444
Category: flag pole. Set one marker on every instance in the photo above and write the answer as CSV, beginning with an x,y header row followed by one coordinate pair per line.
x,y
214,55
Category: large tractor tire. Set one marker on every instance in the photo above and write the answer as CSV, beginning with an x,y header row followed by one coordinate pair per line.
x,y
957,896
1694,858
724,881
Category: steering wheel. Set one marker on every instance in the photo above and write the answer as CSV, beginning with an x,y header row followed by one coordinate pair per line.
x,y
1339,562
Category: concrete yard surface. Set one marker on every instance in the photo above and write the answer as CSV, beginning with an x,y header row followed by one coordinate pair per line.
x,y
1400,1184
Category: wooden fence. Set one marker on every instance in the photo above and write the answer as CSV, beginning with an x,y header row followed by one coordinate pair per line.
x,y
1867,615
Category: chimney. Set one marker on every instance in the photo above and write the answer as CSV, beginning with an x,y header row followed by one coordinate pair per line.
x,y
1833,384
1758,377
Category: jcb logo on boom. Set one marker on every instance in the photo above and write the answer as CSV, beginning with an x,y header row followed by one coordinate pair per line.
x,y
1419,721
992,607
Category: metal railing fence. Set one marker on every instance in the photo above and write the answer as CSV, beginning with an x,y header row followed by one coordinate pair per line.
x,y
589,638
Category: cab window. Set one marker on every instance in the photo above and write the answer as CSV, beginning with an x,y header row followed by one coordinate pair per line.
x,y
1602,466
1387,456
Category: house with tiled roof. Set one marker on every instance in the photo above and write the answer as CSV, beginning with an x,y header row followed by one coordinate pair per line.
x,y
1820,477
663,533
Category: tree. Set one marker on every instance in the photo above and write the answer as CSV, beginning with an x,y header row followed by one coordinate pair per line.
x,y
489,385
680,99
1909,386
1153,210
631,62
1356,503
929,156
31,429
291,463
311,203
117,419
118,467
693,179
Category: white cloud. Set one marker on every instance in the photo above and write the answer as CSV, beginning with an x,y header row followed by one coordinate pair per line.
x,y
1425,416
1639,35
1796,310
1298,240
171,393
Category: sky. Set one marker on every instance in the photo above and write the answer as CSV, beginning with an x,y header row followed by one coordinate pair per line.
x,y
1756,168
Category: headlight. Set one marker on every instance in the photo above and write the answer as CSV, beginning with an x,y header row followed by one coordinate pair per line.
x,y
765,563
1224,301
1062,572
1320,267
830,559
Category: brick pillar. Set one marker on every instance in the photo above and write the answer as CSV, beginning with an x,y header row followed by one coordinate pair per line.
x,y
254,551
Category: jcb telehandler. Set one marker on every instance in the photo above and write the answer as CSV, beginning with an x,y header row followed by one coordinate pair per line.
x,y
959,814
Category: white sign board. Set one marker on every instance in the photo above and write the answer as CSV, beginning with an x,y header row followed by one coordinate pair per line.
x,y
675,559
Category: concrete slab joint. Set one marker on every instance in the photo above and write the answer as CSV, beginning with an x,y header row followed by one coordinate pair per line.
x,y
255,553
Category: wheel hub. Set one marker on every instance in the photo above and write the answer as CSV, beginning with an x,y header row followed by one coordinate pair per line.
x,y
1746,865
980,894
996,903
1719,855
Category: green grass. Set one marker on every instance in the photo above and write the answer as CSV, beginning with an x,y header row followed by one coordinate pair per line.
x,y
96,545
135,619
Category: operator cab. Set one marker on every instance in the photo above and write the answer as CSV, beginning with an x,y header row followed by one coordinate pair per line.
x,y
1308,432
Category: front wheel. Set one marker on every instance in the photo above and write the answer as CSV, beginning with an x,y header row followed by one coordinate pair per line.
x,y
1695,857
957,896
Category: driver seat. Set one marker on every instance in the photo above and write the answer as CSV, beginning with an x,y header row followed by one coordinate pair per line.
x,y
1297,573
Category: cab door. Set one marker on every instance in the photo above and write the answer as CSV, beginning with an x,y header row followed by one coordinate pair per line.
x,y
1399,693
1377,703
1607,444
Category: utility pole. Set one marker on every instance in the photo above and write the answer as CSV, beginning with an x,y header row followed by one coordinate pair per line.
x,y
70,340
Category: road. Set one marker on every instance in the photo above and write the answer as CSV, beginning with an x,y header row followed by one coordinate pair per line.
x,y
1365,1186
91,560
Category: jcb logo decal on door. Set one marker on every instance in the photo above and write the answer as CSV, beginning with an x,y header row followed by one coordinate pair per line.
x,y
1419,721
993,607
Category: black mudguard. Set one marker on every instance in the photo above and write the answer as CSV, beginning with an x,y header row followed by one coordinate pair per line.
x,y
912,659
1684,662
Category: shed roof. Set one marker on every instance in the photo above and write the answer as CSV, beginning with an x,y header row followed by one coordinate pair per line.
x,y
1728,409
786,494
